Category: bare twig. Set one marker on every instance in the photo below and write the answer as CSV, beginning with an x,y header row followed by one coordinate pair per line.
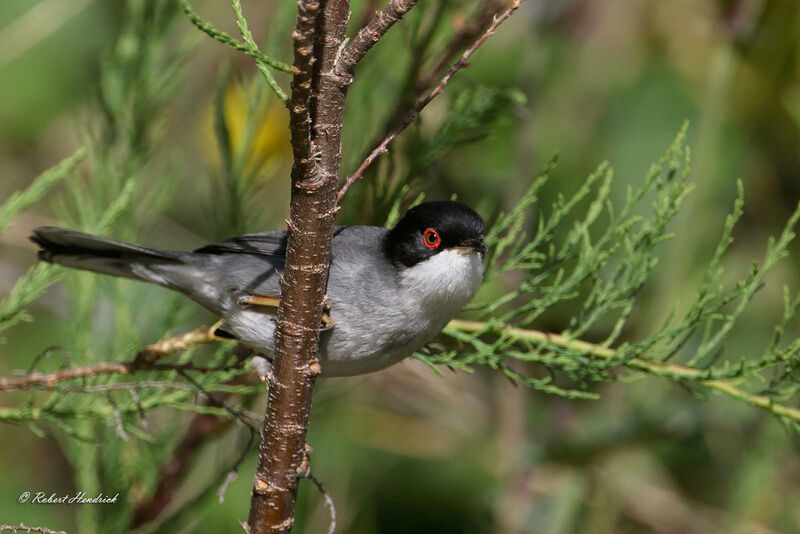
x,y
145,361
370,34
464,35
23,528
460,64
31,380
165,347
328,500
119,425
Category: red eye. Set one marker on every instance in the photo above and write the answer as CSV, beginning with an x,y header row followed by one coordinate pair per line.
x,y
431,239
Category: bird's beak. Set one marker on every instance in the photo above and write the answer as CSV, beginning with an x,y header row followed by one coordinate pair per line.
x,y
469,246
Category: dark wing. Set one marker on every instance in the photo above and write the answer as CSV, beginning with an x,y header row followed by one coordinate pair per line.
x,y
264,244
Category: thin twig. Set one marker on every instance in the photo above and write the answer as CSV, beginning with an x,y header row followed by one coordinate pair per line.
x,y
370,34
165,347
201,428
50,379
224,38
328,500
23,528
145,361
639,363
465,34
119,425
460,64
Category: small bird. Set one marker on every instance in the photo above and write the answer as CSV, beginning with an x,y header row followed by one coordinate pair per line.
x,y
390,291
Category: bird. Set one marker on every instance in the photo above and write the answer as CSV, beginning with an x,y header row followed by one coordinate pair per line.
x,y
390,291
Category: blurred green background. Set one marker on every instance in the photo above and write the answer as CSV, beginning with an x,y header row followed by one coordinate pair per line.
x,y
405,450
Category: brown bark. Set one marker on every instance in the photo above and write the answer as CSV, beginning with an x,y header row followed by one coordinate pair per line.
x,y
315,120
324,71
370,34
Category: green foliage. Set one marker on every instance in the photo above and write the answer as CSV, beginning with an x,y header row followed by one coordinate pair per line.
x,y
31,285
241,22
21,201
601,265
471,117
248,47
580,265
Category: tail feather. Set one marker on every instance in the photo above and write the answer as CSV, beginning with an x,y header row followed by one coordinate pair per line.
x,y
60,241
106,256
186,272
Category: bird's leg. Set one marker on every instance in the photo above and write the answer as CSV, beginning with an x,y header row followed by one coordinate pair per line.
x,y
258,300
272,302
218,331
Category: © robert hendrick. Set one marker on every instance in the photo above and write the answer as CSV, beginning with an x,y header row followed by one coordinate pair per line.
x,y
389,291
80,497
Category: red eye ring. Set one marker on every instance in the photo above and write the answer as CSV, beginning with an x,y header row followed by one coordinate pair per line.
x,y
431,239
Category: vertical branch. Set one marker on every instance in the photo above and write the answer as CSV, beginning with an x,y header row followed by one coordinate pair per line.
x,y
319,33
304,168
323,72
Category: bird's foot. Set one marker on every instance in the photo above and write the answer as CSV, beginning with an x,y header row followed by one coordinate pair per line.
x,y
263,368
327,321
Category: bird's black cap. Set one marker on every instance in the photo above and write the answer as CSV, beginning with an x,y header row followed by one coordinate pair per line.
x,y
429,228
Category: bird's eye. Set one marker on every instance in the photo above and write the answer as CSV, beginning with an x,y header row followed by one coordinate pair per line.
x,y
431,239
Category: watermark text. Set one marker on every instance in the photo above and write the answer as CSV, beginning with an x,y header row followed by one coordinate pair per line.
x,y
80,497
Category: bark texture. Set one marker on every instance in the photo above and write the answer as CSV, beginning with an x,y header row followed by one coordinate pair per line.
x,y
323,71
316,114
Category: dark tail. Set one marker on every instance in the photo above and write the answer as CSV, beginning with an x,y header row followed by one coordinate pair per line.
x,y
98,254
188,272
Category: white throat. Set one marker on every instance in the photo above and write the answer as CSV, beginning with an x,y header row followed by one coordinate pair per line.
x,y
447,280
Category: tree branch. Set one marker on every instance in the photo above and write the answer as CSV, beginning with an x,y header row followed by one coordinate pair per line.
x,y
145,361
460,64
465,34
370,34
316,128
24,528
300,107
323,73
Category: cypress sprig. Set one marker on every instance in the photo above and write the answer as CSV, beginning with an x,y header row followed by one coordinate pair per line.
x,y
249,49
597,268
